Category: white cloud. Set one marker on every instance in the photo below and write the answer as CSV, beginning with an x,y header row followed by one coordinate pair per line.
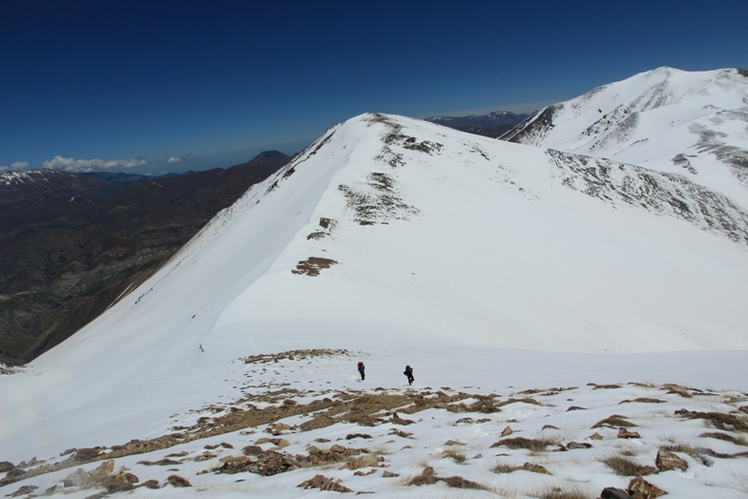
x,y
20,166
16,166
175,159
87,165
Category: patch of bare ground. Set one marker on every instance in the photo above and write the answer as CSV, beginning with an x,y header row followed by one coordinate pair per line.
x,y
313,265
429,477
297,355
595,386
268,463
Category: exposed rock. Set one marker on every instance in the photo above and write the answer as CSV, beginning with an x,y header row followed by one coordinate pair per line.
x,y
278,442
6,466
595,436
624,433
120,482
278,429
575,445
639,488
667,460
614,493
389,474
25,490
506,431
323,483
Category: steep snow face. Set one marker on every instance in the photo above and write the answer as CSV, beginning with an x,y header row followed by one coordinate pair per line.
x,y
390,229
690,123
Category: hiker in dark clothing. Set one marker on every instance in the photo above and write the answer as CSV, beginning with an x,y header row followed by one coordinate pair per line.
x,y
361,370
409,373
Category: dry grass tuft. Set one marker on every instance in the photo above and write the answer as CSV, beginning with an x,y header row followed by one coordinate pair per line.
x,y
614,421
504,468
427,477
563,492
595,386
643,400
624,466
726,437
458,457
677,390
150,484
458,482
178,481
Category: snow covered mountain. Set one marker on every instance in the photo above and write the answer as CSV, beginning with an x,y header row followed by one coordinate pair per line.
x,y
484,263
693,124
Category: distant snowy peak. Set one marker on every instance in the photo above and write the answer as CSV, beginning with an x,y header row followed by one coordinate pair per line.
x,y
35,184
44,175
690,123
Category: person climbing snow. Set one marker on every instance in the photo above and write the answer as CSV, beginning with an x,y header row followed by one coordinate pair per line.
x,y
409,373
361,370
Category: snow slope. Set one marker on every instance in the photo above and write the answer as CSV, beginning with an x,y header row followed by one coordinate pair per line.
x,y
690,123
485,264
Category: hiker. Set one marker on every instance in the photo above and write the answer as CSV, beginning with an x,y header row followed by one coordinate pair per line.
x,y
361,369
409,373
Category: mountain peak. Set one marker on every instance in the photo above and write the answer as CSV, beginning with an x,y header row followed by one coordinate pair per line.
x,y
693,124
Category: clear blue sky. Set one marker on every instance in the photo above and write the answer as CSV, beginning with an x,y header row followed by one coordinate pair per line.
x,y
117,83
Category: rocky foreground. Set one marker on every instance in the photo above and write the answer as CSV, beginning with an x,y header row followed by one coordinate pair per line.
x,y
288,432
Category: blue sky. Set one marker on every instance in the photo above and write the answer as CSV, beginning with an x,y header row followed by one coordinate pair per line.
x,y
129,85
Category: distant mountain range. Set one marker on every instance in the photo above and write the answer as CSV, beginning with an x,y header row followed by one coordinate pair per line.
x,y
73,243
492,125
